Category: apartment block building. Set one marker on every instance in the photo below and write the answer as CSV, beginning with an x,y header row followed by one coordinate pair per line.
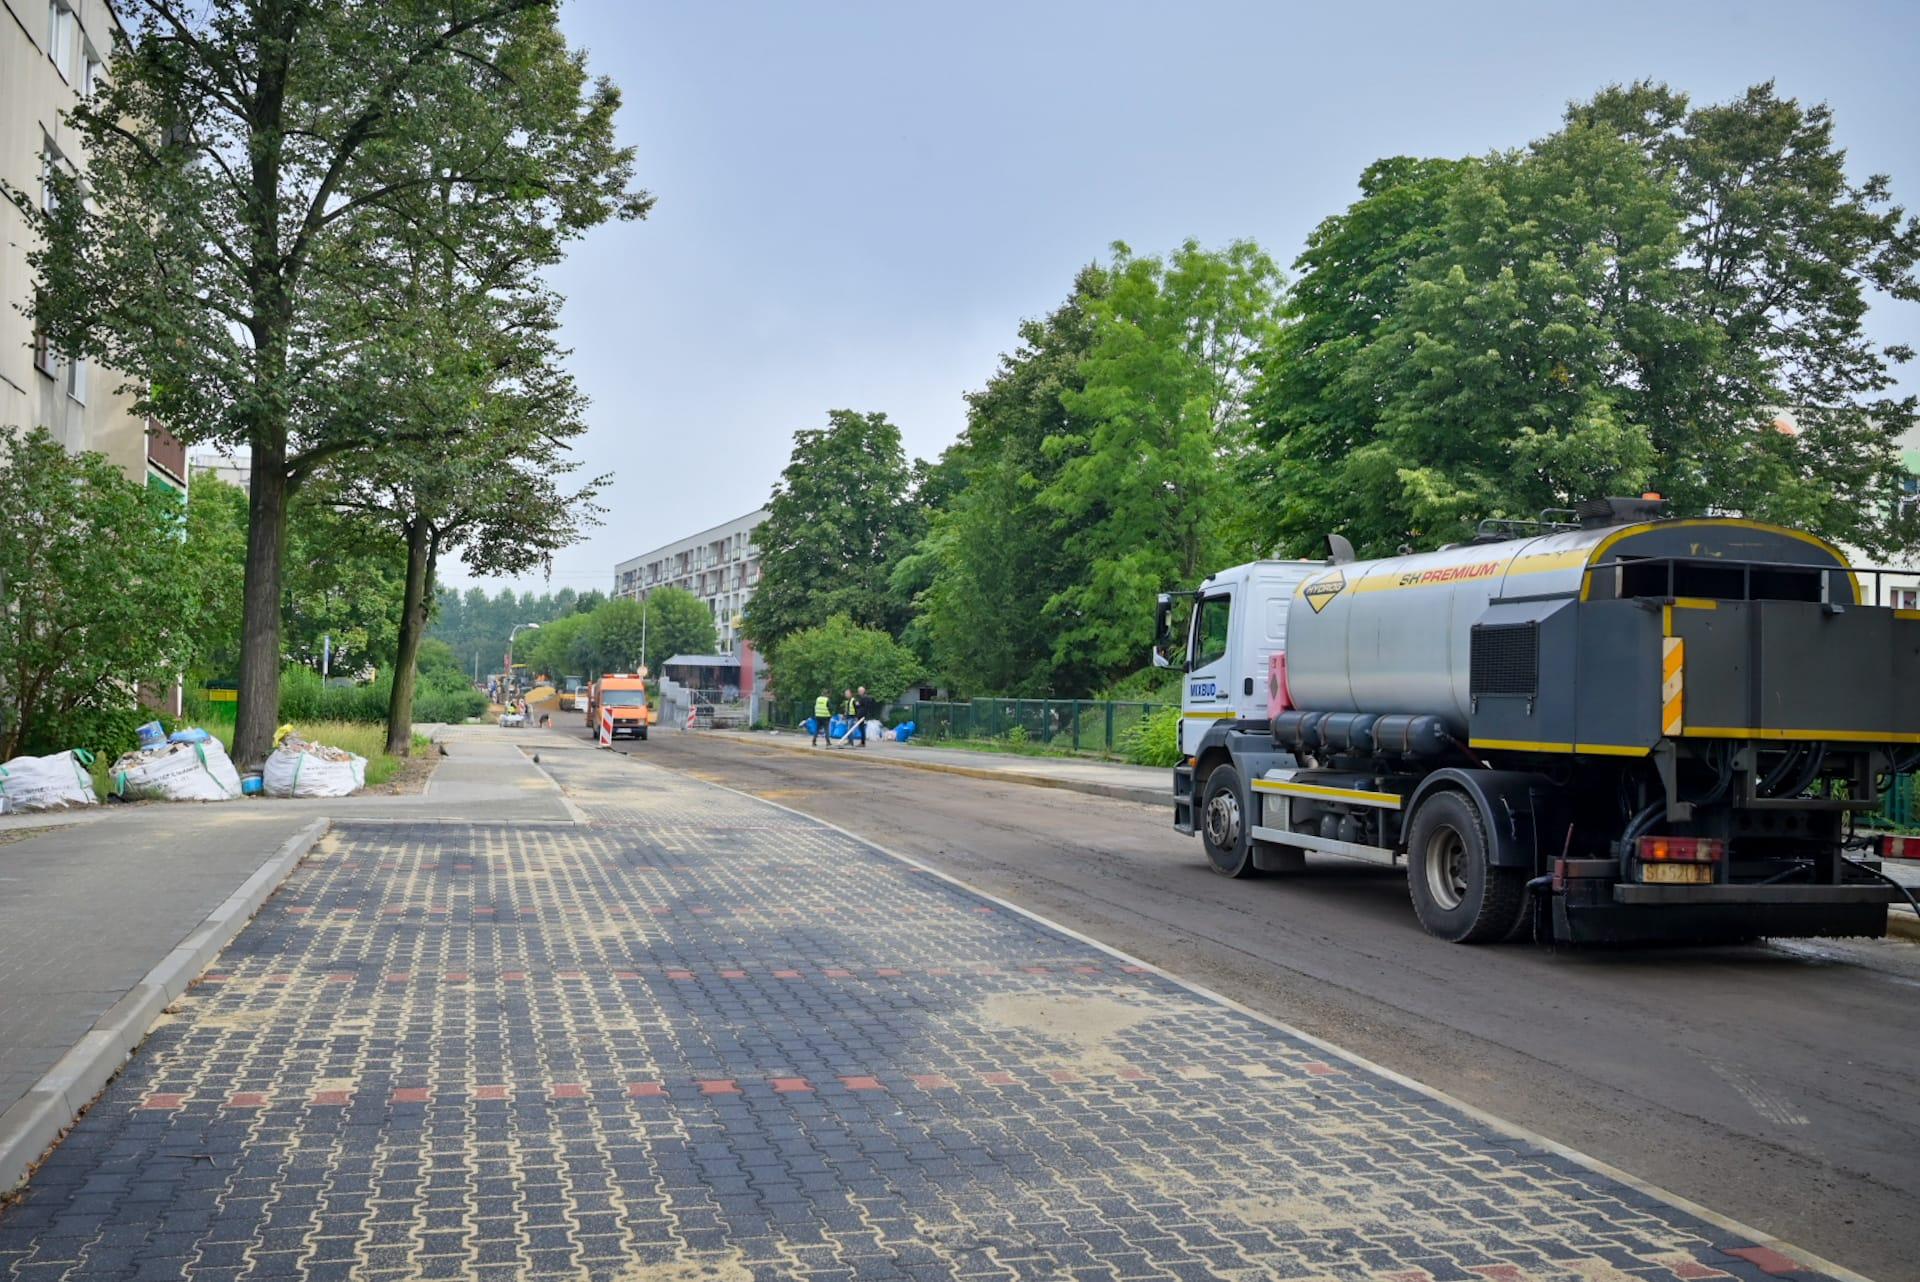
x,y
721,566
52,52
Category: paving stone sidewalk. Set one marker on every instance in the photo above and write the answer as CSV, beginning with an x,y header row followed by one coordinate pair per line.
x,y
701,1037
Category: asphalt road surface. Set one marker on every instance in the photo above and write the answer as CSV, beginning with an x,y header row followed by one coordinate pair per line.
x,y
1775,1083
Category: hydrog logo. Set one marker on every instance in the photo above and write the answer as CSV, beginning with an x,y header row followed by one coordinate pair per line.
x,y
1323,590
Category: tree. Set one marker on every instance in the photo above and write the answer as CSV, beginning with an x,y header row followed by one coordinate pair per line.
x,y
994,555
1146,484
841,655
1627,303
837,522
678,622
250,164
557,648
611,642
341,589
98,587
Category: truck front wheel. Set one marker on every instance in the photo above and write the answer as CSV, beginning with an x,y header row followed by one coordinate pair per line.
x,y
1223,824
1457,892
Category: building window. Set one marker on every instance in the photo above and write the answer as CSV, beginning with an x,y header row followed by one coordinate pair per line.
x,y
62,26
43,358
1906,598
94,71
77,379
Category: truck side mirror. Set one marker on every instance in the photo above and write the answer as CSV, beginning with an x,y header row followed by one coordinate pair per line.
x,y
1162,616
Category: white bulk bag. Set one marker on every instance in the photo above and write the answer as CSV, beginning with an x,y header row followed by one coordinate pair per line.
x,y
178,772
292,772
47,783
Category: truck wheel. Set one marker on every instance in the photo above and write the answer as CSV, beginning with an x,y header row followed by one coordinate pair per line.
x,y
1223,824
643,733
1457,894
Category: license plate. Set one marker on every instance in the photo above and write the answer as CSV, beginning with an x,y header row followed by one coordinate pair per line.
x,y
1677,874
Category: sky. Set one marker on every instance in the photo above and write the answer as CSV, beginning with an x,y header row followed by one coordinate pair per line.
x,y
858,202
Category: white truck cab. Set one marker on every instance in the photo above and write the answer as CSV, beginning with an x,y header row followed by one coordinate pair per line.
x,y
1239,622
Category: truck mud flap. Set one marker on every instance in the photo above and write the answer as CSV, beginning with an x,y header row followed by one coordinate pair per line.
x,y
1183,799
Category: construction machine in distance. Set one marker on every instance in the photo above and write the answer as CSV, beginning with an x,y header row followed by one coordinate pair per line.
x,y
1616,727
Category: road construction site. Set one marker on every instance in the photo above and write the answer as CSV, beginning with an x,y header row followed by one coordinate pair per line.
x,y
716,1006
1769,1081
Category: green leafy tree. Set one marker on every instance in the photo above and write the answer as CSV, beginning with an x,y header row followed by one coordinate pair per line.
x,y
1627,303
1147,485
678,622
217,532
994,555
98,587
557,648
341,589
251,163
841,655
612,639
838,520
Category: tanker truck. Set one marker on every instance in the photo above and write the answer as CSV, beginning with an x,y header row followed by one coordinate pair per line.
x,y
1616,727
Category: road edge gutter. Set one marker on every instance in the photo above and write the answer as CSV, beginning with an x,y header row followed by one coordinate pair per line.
x,y
1091,787
39,1119
1493,1122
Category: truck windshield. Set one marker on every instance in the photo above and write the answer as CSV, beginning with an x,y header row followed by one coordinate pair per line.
x,y
624,698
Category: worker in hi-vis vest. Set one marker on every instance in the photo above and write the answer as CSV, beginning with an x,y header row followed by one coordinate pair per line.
x,y
822,714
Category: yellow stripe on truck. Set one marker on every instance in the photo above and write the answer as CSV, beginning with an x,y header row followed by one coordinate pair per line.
x,y
1385,800
1673,662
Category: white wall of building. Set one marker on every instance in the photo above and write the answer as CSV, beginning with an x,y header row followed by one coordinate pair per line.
x,y
720,565
48,53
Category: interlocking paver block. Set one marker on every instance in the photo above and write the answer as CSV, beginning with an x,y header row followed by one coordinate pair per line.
x,y
705,1038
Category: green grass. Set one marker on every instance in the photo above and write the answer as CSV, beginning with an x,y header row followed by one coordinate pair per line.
x,y
1008,748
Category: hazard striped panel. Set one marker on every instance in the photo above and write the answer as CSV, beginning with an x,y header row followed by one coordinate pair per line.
x,y
1673,686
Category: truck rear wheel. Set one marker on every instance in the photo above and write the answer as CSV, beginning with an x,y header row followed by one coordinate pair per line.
x,y
1223,824
1458,894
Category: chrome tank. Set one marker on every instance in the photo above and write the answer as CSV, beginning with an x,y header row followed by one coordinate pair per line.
x,y
1393,635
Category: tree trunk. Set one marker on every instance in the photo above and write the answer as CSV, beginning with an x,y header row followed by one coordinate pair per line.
x,y
258,710
413,625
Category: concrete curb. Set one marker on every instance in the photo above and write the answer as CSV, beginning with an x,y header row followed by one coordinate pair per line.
x,y
1090,787
40,1117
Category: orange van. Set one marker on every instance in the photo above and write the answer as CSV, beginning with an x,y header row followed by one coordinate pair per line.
x,y
625,695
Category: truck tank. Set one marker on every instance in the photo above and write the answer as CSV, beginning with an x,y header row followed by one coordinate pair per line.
x,y
1394,635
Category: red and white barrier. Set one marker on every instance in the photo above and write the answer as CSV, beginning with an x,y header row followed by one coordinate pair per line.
x,y
606,726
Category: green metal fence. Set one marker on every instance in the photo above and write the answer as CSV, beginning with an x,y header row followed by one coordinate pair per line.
x,y
1902,808
1083,725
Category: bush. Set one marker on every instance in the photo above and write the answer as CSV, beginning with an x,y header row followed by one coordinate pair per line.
x,y
1152,741
105,732
303,697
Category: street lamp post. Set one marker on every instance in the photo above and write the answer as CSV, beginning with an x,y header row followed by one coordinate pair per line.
x,y
518,628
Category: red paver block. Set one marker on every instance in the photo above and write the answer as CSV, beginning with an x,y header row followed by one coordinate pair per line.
x,y
862,1083
1764,1258
1035,970
1694,1271
1086,970
247,1099
786,974
719,1086
569,974
679,974
214,978
513,976
399,977
887,972
998,1079
1323,1070
626,974
569,1090
491,1092
792,1085
340,977
412,1095
457,977
1065,1076
933,1082
645,1090
331,1099
1133,1075
1499,1272
163,1100
298,910
733,974
393,910
834,972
